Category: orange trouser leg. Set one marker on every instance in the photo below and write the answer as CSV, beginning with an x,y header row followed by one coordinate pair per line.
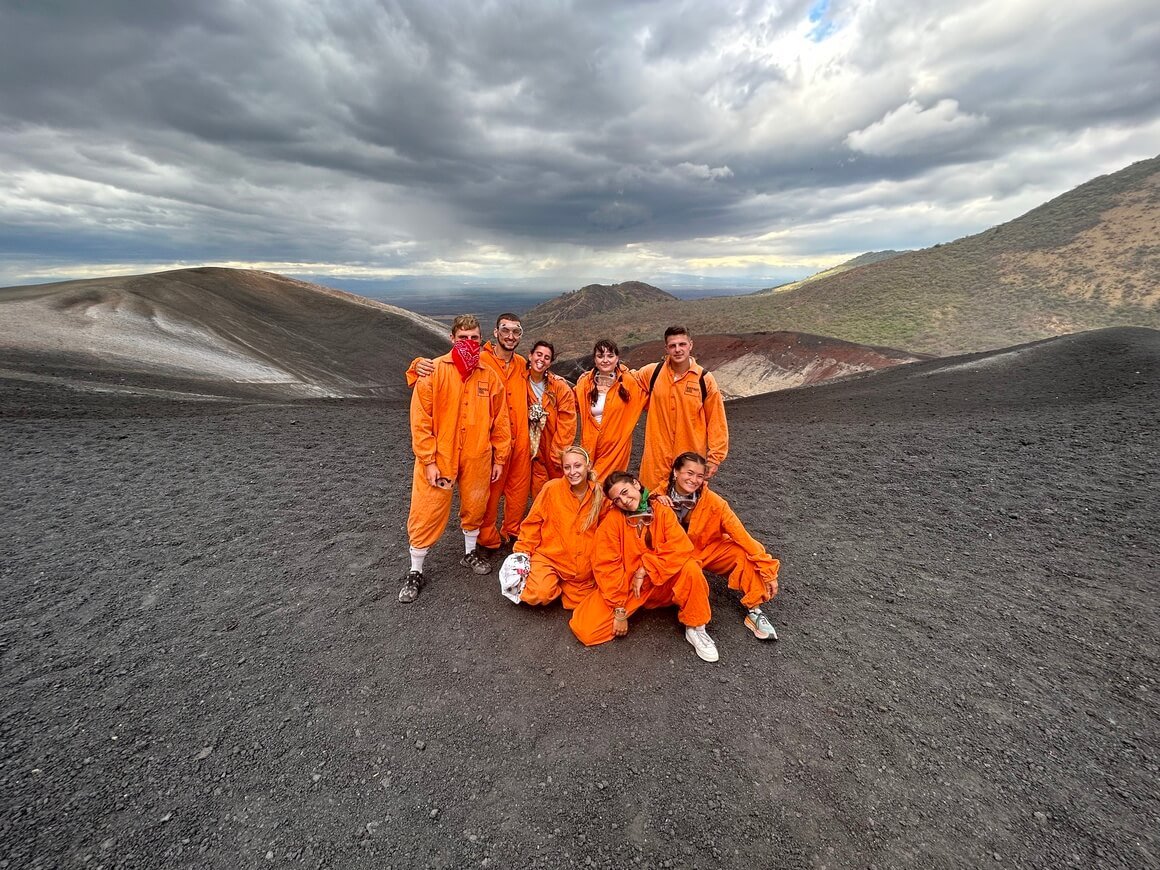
x,y
540,476
747,574
430,510
431,506
543,584
515,495
546,584
591,620
514,482
690,592
474,483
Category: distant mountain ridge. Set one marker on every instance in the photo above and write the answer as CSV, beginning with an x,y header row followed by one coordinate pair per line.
x,y
1087,259
593,299
212,332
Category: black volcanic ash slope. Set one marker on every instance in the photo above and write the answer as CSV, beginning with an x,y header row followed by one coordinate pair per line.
x,y
216,331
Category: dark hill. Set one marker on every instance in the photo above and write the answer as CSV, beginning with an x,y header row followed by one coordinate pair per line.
x,y
1084,260
590,300
215,332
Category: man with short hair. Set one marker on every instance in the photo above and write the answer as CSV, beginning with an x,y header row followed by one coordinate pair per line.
x,y
515,481
460,433
685,412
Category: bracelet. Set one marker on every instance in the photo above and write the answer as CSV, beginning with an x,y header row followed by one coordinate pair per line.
x,y
619,613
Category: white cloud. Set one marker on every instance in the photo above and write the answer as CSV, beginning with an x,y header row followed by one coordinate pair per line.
x,y
412,135
911,129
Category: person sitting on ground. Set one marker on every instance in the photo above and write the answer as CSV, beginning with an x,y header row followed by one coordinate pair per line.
x,y
722,544
610,399
558,534
642,558
551,415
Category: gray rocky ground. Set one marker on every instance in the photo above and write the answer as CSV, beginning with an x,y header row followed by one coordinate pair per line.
x,y
199,670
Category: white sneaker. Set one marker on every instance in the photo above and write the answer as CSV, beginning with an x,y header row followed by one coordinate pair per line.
x,y
702,643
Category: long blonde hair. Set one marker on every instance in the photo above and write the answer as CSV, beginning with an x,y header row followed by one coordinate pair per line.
x,y
597,492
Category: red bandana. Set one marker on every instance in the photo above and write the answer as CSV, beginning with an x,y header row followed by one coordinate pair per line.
x,y
465,355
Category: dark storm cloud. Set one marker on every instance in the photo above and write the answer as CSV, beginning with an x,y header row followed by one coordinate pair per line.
x,y
405,134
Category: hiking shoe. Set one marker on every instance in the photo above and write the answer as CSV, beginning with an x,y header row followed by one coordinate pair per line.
x,y
476,562
759,624
412,583
702,643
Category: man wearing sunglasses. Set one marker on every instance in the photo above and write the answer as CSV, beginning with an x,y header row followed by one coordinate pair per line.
x,y
515,481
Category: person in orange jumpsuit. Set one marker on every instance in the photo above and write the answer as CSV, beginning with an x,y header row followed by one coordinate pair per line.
x,y
642,558
460,435
685,412
722,544
559,532
557,417
515,481
610,399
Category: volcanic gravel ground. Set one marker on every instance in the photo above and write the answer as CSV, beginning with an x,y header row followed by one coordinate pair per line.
x,y
204,664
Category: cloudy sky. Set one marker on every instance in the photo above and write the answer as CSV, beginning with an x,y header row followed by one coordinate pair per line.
x,y
549,143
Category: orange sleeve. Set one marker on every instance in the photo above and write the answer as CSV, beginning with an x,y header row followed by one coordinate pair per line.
x,y
715,423
501,427
672,544
423,421
413,372
612,567
643,376
565,416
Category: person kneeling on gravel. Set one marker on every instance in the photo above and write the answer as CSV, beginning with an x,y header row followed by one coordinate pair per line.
x,y
642,558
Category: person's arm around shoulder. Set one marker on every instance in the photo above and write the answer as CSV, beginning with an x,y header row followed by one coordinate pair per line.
x,y
717,428
420,367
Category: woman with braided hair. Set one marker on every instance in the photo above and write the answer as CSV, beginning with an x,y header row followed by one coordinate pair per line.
x,y
642,558
558,534
610,398
722,544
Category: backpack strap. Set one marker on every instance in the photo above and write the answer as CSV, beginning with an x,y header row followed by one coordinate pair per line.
x,y
652,382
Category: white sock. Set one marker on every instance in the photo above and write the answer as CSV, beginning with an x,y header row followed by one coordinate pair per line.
x,y
417,557
469,539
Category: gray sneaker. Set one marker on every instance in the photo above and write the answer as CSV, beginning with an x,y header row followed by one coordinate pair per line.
x,y
476,562
412,583
761,627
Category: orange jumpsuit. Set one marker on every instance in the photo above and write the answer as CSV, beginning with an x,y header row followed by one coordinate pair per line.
x,y
559,429
679,421
609,442
462,426
552,535
673,575
723,546
515,481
